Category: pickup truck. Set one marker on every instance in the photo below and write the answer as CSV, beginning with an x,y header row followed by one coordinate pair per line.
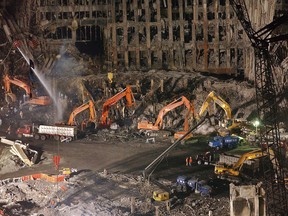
x,y
225,142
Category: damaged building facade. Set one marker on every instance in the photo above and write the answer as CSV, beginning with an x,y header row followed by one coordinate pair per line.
x,y
193,35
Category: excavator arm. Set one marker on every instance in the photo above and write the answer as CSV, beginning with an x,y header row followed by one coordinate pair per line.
x,y
235,170
159,122
80,109
218,100
7,85
127,93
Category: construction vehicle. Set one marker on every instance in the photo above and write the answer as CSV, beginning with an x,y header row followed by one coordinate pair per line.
x,y
43,132
206,158
88,105
192,184
130,101
160,196
235,169
230,142
228,123
146,125
267,90
32,99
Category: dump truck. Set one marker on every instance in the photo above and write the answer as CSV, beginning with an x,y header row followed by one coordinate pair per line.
x,y
225,142
43,132
193,184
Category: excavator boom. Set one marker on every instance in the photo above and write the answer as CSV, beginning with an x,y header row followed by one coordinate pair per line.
x,y
80,109
235,170
218,100
17,82
159,122
127,93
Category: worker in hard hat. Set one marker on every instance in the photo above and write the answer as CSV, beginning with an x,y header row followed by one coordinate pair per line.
x,y
190,161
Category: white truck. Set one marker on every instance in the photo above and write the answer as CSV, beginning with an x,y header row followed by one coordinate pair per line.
x,y
43,132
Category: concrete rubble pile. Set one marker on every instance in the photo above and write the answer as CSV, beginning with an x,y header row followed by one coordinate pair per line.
x,y
70,197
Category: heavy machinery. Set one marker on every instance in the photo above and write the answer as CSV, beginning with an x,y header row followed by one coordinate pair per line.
x,y
234,170
144,124
10,97
193,184
267,106
130,101
229,142
43,132
207,158
229,122
88,105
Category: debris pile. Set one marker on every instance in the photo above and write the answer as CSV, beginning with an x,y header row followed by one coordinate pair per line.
x,y
71,197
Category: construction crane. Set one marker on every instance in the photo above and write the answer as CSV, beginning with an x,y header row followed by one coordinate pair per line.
x,y
88,105
130,101
266,94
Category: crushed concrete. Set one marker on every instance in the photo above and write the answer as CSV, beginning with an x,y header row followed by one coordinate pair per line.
x,y
89,193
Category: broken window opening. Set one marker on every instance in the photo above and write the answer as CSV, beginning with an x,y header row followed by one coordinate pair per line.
x,y
211,33
132,58
153,34
131,35
211,58
240,34
187,33
176,33
188,58
154,59
165,59
175,16
222,58
119,36
165,32
233,62
200,16
240,59
222,2
142,35
211,15
143,59
222,33
175,4
188,17
199,33
200,56
120,62
222,15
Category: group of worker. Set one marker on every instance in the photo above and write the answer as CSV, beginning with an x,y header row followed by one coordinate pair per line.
x,y
189,161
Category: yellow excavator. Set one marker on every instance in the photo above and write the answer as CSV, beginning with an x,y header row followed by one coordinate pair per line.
x,y
76,111
229,122
235,169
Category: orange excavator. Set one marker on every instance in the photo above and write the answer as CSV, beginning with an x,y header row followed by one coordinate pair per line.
x,y
90,105
10,97
130,101
144,124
